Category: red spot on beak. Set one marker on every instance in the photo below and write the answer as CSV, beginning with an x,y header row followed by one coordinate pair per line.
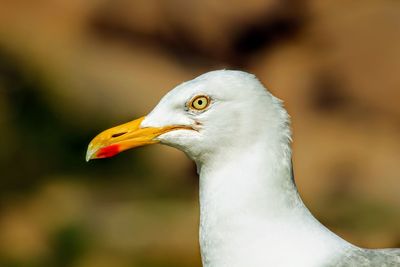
x,y
108,151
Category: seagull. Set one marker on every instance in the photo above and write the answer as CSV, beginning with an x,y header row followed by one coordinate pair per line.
x,y
239,136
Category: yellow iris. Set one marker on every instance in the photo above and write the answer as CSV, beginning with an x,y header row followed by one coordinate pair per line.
x,y
200,102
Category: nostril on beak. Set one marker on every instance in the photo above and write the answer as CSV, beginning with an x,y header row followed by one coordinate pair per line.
x,y
118,134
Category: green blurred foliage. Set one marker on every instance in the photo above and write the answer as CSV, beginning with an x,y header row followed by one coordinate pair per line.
x,y
38,142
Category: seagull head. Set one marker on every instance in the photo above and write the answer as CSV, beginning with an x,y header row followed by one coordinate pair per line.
x,y
218,111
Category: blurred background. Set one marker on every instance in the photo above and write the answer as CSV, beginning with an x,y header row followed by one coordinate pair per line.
x,y
70,69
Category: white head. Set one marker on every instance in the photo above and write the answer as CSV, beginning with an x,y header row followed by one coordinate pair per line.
x,y
217,111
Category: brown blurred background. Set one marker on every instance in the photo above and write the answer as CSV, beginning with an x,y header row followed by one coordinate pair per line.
x,y
69,69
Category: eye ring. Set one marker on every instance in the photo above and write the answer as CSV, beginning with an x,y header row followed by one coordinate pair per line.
x,y
200,102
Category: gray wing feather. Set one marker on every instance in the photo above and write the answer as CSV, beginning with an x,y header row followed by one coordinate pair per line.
x,y
359,257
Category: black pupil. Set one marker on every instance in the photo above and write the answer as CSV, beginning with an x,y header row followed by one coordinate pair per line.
x,y
200,102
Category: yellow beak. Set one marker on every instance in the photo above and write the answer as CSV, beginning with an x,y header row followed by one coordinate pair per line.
x,y
128,135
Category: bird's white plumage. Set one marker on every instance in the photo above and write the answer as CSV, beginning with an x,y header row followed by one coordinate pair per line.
x,y
250,211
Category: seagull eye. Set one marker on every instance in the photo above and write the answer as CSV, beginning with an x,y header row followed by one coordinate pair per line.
x,y
200,102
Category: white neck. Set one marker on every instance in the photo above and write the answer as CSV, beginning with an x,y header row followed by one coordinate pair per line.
x,y
251,213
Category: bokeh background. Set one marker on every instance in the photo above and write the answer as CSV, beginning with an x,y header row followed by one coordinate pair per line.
x,y
70,68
